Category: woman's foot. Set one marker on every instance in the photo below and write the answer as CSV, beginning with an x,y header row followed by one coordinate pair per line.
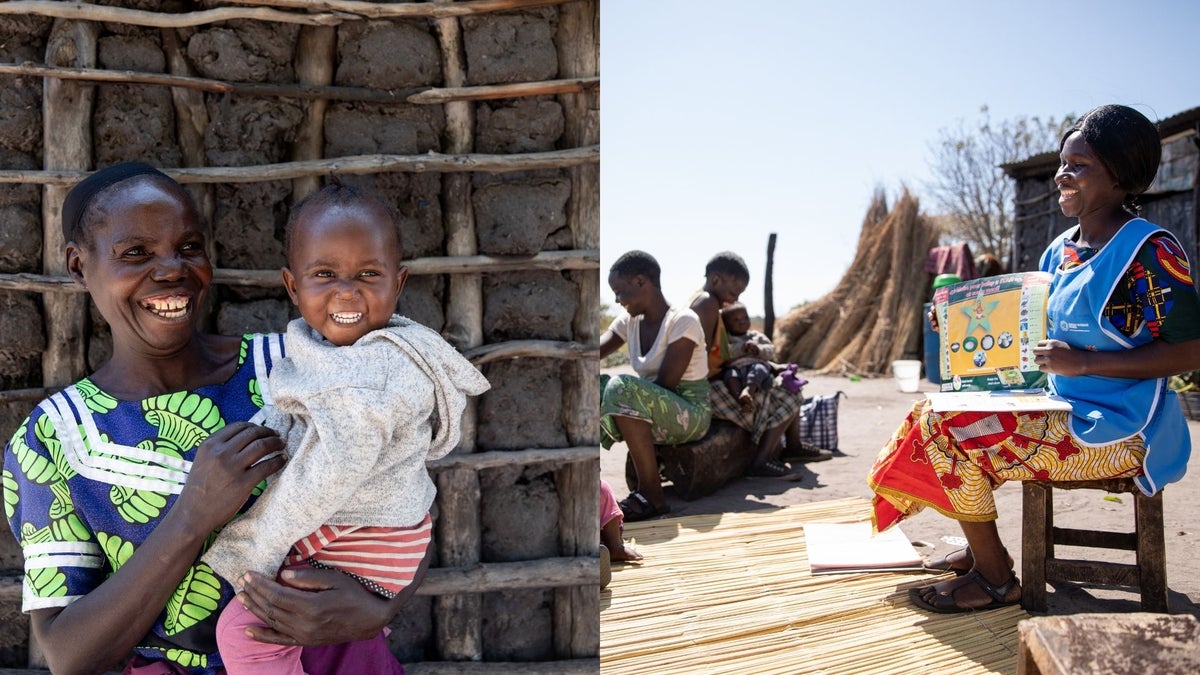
x,y
960,562
636,507
770,469
970,592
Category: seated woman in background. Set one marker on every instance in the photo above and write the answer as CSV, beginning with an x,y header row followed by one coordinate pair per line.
x,y
1123,315
666,402
774,414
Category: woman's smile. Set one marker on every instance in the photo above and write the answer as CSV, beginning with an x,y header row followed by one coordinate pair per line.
x,y
176,306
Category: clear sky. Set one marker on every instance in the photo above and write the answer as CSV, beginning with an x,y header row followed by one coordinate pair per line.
x,y
722,122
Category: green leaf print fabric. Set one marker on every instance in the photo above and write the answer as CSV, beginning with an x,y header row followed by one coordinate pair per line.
x,y
87,477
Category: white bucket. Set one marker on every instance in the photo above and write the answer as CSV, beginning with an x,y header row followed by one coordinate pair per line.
x,y
907,374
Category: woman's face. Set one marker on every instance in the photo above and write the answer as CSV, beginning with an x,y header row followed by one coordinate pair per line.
x,y
146,268
1085,185
630,291
728,289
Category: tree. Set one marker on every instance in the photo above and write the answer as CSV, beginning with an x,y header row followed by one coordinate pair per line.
x,y
973,195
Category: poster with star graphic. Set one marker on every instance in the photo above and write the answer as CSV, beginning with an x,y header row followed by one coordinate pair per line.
x,y
988,329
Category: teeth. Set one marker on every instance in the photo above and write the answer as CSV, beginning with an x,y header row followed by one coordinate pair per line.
x,y
346,317
168,307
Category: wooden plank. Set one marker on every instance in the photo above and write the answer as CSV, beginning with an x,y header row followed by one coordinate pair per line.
x,y
1115,644
376,10
494,91
1065,536
1151,552
571,667
565,571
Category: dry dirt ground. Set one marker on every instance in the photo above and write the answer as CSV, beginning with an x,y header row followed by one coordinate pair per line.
x,y
867,416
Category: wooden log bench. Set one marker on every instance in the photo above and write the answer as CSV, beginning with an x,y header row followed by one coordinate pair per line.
x,y
1115,644
700,468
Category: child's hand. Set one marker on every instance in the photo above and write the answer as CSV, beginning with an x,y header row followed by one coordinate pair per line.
x,y
750,349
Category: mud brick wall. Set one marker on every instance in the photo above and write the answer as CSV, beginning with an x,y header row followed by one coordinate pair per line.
x,y
515,213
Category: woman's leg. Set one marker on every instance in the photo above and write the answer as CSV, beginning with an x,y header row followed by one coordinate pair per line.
x,y
991,562
640,441
769,445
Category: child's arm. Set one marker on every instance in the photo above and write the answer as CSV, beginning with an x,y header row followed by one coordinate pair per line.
x,y
765,348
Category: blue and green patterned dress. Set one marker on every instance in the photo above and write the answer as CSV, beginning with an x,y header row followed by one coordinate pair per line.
x,y
87,477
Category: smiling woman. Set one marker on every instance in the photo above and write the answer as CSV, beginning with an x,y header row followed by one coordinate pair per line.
x,y
119,480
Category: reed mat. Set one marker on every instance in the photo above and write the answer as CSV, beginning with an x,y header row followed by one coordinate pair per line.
x,y
731,593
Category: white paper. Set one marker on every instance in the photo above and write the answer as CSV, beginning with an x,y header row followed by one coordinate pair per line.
x,y
837,548
995,401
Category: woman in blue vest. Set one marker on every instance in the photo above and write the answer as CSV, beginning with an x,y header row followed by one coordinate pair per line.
x,y
1122,316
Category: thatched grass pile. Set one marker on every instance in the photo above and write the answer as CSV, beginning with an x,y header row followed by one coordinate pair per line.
x,y
873,316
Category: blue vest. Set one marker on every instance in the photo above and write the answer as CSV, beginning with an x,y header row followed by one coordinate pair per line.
x,y
1110,409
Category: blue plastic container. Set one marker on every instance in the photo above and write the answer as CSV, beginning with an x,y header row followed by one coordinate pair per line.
x,y
932,373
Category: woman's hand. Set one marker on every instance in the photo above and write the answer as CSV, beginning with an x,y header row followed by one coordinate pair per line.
x,y
1056,356
933,319
225,471
316,607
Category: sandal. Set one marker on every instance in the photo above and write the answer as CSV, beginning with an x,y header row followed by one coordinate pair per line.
x,y
944,602
770,469
636,507
945,564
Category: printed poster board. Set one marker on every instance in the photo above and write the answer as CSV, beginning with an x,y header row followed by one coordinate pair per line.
x,y
987,331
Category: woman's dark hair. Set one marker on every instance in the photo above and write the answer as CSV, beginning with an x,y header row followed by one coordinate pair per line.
x,y
637,262
85,206
728,263
1125,141
337,193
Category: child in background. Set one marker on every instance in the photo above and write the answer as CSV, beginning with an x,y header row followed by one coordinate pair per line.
x,y
749,369
612,544
363,398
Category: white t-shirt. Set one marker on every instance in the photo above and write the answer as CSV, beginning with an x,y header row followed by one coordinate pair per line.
x,y
680,322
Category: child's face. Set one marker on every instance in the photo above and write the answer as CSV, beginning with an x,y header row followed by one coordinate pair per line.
x,y
344,270
737,321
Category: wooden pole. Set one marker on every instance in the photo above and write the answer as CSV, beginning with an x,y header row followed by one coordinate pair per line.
x,y
316,51
67,144
375,10
458,618
769,289
577,608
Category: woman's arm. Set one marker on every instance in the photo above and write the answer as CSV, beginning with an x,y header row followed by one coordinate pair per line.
x,y
709,310
101,628
321,607
609,343
675,363
1153,360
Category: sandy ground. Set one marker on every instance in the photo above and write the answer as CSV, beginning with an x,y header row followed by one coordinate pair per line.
x,y
867,416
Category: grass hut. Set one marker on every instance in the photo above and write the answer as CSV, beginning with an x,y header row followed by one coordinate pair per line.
x,y
479,121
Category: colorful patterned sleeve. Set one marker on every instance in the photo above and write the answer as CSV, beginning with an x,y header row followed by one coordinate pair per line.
x,y
1160,291
63,559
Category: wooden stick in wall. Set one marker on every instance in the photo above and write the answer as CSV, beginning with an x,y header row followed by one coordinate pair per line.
x,y
576,609
375,10
458,617
354,164
316,51
302,90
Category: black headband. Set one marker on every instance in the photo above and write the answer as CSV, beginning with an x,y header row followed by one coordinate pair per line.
x,y
81,195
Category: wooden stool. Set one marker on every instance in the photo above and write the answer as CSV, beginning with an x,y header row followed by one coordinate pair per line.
x,y
1039,536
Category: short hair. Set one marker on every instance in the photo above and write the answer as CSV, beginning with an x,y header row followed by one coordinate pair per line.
x,y
728,263
337,193
1125,141
637,262
86,203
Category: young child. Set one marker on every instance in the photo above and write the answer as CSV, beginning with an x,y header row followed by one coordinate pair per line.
x,y
363,398
749,369
612,543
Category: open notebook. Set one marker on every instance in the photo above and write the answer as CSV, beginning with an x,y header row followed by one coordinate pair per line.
x,y
839,548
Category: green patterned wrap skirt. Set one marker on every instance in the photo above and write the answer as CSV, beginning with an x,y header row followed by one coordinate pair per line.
x,y
675,417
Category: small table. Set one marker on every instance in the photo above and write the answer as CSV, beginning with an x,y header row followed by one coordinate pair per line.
x,y
1116,644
